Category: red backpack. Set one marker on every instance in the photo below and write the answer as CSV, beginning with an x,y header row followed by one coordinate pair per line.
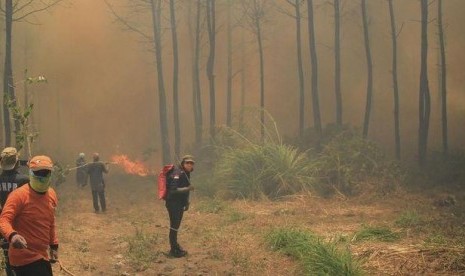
x,y
162,180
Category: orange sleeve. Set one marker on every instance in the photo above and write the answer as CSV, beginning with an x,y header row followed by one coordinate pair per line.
x,y
12,207
53,233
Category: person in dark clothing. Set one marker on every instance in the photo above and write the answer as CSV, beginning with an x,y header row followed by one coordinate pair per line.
x,y
95,170
177,201
10,179
81,174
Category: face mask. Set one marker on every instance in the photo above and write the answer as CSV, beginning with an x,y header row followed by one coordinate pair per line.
x,y
40,183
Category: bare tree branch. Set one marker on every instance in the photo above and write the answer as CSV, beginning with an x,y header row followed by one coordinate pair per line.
x,y
47,6
16,9
126,23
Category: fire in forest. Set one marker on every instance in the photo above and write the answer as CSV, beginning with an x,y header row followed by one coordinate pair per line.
x,y
131,166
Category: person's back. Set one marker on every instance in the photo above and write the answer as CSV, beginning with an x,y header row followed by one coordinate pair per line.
x,y
95,171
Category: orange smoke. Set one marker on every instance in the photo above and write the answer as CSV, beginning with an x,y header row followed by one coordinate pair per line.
x,y
129,166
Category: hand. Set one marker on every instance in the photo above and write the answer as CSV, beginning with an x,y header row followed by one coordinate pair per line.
x,y
186,207
191,188
53,255
18,241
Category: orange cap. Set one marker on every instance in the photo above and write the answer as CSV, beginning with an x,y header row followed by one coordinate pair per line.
x,y
41,162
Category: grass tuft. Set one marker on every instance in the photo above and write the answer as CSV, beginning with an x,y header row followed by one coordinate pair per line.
x,y
141,251
316,256
409,219
376,233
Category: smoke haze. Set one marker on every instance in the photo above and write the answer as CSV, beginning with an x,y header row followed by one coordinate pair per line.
x,y
102,91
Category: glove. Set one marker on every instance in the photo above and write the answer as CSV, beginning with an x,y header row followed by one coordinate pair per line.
x,y
18,241
53,255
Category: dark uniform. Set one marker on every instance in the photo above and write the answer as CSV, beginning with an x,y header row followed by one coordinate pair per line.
x,y
9,181
176,202
97,184
81,174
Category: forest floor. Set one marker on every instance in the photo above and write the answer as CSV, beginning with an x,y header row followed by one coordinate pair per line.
x,y
228,237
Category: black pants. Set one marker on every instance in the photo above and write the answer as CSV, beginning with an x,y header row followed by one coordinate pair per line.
x,y
5,246
175,212
96,196
37,268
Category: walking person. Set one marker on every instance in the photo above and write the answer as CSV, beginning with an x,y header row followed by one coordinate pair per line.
x,y
177,201
10,179
81,174
28,222
95,170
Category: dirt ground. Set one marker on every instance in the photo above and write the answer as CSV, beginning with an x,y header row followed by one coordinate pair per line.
x,y
227,237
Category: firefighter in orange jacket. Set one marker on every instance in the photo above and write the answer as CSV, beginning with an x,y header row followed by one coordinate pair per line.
x,y
28,222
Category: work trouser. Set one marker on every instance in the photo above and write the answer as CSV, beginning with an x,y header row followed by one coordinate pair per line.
x,y
175,212
96,196
37,268
5,246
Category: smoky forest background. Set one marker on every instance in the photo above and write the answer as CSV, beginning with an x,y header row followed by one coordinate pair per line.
x,y
347,110
155,79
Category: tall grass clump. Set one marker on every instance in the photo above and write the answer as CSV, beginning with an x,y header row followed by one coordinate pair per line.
x,y
264,170
316,256
255,167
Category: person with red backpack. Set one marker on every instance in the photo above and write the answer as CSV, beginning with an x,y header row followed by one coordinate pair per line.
x,y
178,187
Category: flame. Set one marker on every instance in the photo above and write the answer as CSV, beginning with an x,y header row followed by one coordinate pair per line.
x,y
129,166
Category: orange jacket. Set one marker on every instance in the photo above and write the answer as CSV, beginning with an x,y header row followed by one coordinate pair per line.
x,y
31,215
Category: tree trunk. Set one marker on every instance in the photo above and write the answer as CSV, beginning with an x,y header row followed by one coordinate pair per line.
x,y
394,80
314,63
424,95
211,13
156,13
229,73
369,98
243,75
298,19
8,83
262,79
443,79
337,62
196,78
177,128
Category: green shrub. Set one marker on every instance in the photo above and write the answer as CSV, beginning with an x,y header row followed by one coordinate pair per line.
x,y
445,171
316,256
347,161
376,233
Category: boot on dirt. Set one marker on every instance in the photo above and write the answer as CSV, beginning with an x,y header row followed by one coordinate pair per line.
x,y
178,247
176,253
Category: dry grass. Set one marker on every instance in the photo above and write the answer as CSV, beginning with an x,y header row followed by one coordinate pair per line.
x,y
227,237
